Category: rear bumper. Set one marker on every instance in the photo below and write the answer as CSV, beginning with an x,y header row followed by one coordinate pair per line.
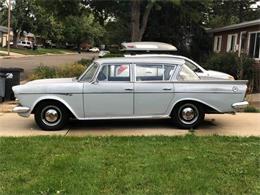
x,y
240,105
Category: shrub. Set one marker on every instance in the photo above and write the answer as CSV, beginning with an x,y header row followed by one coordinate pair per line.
x,y
69,70
43,72
239,67
113,55
226,62
251,109
85,62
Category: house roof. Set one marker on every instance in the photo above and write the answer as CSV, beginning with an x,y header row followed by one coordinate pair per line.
x,y
3,29
236,26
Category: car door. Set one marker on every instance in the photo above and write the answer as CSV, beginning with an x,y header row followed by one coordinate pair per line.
x,y
111,95
153,91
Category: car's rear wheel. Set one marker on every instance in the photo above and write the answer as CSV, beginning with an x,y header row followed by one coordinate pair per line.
x,y
51,115
188,115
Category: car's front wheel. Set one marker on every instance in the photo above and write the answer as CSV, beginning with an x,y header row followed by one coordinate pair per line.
x,y
188,115
51,115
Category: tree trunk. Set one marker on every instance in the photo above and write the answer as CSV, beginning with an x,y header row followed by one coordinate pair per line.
x,y
137,29
15,37
135,20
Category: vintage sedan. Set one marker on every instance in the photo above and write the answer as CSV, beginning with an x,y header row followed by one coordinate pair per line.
x,y
129,88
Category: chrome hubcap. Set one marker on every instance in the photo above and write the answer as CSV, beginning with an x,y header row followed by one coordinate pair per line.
x,y
51,115
188,113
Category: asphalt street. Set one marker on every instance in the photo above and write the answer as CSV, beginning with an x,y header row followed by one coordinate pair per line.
x,y
28,63
241,124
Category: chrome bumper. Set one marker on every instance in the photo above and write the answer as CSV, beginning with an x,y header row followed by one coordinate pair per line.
x,y
240,105
21,109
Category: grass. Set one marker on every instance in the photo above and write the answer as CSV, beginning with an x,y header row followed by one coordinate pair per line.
x,y
130,165
39,51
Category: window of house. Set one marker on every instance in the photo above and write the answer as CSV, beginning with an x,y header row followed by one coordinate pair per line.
x,y
217,43
243,42
118,72
232,43
154,72
254,42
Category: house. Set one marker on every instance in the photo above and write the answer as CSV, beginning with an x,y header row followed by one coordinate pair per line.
x,y
240,38
3,36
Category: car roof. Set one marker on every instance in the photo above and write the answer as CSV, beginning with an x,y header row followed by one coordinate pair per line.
x,y
140,59
147,46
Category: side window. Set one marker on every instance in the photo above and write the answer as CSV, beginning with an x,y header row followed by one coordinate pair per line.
x,y
118,72
186,74
154,72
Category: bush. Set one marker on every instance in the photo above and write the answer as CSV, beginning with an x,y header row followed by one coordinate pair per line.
x,y
69,70
239,67
251,109
42,72
113,55
85,62
226,62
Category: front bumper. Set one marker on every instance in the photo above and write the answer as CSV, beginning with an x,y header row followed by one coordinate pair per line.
x,y
240,105
21,109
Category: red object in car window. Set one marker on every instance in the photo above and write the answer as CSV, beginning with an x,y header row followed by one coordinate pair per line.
x,y
121,69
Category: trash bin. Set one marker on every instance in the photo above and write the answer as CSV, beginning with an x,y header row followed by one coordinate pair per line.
x,y
9,83
2,87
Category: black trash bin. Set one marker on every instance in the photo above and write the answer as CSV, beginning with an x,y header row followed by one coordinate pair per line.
x,y
9,83
2,87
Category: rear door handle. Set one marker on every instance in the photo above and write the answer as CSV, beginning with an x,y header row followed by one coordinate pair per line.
x,y
167,89
129,89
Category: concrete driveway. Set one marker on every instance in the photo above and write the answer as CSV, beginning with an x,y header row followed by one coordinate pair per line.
x,y
241,124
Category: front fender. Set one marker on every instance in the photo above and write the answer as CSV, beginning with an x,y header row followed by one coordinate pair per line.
x,y
61,100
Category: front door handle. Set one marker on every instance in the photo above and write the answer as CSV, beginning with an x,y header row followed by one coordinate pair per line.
x,y
129,89
167,89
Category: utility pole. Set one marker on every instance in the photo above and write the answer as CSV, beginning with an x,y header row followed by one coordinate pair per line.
x,y
9,24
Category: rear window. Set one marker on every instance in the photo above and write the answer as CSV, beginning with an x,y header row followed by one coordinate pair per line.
x,y
186,74
150,72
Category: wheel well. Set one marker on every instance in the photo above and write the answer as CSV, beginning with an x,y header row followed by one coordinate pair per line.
x,y
207,109
52,101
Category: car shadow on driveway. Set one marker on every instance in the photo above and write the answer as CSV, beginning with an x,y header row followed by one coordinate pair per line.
x,y
128,127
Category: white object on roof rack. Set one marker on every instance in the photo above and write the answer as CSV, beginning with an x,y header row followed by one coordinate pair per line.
x,y
147,46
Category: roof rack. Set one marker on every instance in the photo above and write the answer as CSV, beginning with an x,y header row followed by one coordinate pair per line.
x,y
147,47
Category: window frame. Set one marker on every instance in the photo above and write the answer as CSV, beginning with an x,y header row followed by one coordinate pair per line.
x,y
215,47
248,44
154,81
229,39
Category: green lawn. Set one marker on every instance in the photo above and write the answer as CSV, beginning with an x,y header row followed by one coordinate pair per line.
x,y
39,51
130,165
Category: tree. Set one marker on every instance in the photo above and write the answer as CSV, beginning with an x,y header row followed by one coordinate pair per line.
x,y
21,17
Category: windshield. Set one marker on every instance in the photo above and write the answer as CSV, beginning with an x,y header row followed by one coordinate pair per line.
x,y
89,73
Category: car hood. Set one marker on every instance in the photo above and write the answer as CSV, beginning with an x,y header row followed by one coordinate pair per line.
x,y
45,86
217,74
51,81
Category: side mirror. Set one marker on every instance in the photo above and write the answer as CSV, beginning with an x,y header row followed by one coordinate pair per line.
x,y
9,75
